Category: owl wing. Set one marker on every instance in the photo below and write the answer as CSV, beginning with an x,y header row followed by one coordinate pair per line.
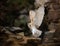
x,y
39,16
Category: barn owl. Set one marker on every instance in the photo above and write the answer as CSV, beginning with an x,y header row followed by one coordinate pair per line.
x,y
34,30
36,17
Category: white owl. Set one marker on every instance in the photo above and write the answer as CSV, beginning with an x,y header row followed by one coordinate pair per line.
x,y
36,17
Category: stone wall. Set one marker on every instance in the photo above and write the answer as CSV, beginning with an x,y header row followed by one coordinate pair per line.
x,y
53,16
54,10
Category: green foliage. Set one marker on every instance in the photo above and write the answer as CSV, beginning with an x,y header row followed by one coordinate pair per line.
x,y
10,10
20,21
22,3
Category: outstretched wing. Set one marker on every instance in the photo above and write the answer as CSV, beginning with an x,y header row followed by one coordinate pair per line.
x,y
39,16
36,18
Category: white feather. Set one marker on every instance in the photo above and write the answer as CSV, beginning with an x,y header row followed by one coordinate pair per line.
x,y
36,32
39,16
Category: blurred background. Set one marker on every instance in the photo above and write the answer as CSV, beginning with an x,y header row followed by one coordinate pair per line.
x,y
14,16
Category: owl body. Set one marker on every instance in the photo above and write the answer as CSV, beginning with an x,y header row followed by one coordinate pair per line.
x,y
36,17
